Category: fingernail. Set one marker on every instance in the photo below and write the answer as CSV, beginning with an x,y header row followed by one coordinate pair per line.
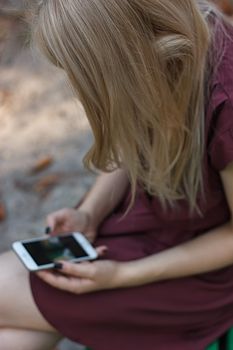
x,y
58,266
47,230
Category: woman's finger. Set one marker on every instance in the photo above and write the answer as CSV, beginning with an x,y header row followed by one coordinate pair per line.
x,y
57,219
51,222
102,250
84,270
69,284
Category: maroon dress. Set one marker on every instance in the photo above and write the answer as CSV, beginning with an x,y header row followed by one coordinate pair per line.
x,y
179,314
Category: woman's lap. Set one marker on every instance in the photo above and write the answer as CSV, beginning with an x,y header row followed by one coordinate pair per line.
x,y
171,314
17,307
156,313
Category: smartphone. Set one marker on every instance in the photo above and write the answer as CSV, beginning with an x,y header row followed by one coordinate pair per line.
x,y
41,253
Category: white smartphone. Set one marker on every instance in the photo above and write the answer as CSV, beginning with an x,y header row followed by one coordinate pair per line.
x,y
43,252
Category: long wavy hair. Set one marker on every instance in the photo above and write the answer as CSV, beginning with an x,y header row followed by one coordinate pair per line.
x,y
139,69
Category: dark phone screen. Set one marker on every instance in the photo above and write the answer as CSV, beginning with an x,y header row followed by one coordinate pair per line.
x,y
55,248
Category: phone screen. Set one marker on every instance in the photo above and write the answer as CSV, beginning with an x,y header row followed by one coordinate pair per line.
x,y
55,248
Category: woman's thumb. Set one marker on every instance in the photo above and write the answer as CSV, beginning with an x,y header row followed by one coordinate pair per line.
x,y
102,250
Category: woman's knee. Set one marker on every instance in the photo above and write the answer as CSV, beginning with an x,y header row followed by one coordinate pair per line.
x,y
12,285
27,339
17,307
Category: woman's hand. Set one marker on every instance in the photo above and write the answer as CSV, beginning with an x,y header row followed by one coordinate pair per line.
x,y
71,220
84,277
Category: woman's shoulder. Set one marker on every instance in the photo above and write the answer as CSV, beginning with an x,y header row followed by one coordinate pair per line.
x,y
219,118
222,81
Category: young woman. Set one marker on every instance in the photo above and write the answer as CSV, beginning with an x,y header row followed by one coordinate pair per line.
x,y
156,80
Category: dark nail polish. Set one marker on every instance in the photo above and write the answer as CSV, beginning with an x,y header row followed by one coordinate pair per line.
x,y
58,266
47,230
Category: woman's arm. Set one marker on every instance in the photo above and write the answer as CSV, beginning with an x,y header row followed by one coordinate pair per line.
x,y
98,203
210,251
105,194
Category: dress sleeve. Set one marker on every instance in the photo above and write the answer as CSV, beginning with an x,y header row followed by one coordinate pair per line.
x,y
221,142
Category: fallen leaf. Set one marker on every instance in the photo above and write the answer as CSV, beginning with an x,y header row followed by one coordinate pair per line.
x,y
44,185
42,164
5,97
2,212
225,6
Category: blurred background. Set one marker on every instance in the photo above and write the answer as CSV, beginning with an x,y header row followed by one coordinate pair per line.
x,y
43,133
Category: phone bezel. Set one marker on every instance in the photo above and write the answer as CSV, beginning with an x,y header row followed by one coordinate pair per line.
x,y
30,263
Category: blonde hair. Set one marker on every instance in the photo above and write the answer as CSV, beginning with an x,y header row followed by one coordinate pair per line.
x,y
138,67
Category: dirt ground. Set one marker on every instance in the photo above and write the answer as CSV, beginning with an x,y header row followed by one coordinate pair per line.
x,y
43,136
